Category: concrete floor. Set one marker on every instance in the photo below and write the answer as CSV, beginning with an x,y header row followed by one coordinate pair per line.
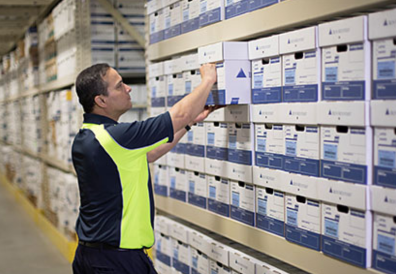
x,y
24,249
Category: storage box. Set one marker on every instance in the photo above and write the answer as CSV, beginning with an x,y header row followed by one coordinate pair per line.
x,y
173,19
242,262
162,268
230,113
211,11
200,241
178,184
301,61
191,73
195,148
179,232
346,65
346,222
199,262
235,7
266,70
181,260
301,149
353,113
218,195
233,72
385,157
197,189
190,12
216,148
154,5
346,153
259,4
383,204
161,184
163,248
383,113
266,113
242,202
270,210
219,268
266,177
174,81
157,26
220,253
269,146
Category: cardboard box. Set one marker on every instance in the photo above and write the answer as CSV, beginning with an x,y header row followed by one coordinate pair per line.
x,y
266,70
173,19
162,268
235,7
231,114
270,210
158,91
200,241
299,113
346,153
242,262
346,65
233,72
240,147
199,262
218,195
161,184
178,184
163,248
301,154
271,178
346,222
181,260
385,157
384,204
269,146
266,113
190,12
154,5
197,189
216,148
157,26
220,253
216,267
383,113
301,61
211,11
179,232
195,148
352,113
242,202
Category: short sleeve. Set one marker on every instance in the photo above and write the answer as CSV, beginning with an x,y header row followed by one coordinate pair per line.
x,y
143,134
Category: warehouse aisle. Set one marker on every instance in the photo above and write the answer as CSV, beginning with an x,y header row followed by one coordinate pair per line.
x,y
23,247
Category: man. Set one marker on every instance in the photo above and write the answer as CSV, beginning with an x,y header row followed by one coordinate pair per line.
x,y
115,222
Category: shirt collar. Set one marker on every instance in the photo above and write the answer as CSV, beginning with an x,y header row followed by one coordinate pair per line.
x,y
90,118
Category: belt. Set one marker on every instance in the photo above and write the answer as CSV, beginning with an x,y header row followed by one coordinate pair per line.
x,y
102,246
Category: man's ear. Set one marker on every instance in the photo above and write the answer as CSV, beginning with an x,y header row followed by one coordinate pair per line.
x,y
100,101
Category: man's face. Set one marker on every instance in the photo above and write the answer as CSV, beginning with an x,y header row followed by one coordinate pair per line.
x,y
118,99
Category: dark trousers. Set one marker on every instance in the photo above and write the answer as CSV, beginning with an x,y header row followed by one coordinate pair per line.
x,y
90,260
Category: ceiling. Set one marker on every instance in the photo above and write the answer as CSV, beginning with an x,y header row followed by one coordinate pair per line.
x,y
16,16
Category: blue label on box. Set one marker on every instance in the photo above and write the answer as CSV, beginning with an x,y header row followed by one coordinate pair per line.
x,y
344,251
209,17
242,215
385,176
266,95
178,194
158,102
161,190
300,93
290,76
156,37
344,171
197,200
179,266
384,89
236,9
262,206
384,262
386,244
219,208
330,151
216,97
212,192
270,160
172,100
291,147
331,74
302,166
386,69
235,199
339,91
163,257
195,150
302,237
258,4
190,25
387,158
270,224
331,228
243,157
261,144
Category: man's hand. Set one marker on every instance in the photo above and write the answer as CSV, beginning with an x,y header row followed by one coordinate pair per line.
x,y
205,113
208,73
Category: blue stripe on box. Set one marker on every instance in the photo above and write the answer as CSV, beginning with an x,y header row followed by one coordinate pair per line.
x,y
243,157
156,37
179,266
178,194
172,100
197,200
384,89
343,171
158,102
270,160
300,93
385,176
211,152
197,151
190,25
302,237
384,262
219,208
163,258
161,190
242,215
339,91
258,4
236,9
210,17
344,251
216,97
270,224
302,166
181,148
266,95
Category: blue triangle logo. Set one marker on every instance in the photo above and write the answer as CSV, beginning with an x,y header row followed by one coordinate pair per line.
x,y
288,41
291,182
386,199
290,112
241,74
204,53
330,32
387,112
260,112
261,175
385,23
257,48
329,112
331,190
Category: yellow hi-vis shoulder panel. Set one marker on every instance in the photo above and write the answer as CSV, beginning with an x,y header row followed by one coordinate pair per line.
x,y
136,229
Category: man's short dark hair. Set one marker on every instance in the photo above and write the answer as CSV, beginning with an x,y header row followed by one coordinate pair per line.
x,y
90,84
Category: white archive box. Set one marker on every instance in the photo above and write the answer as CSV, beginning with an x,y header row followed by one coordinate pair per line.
x,y
161,180
219,268
235,7
270,210
154,5
190,15
266,113
383,113
181,260
162,268
298,113
220,252
343,113
195,148
200,241
240,151
178,185
267,177
157,26
218,195
269,146
199,262
266,70
191,73
179,232
176,156
301,154
242,262
174,81
346,153
211,11
230,113
242,202
216,148
259,4
197,189
157,85
385,157
163,248
303,210
383,203
173,20
233,72
382,32
301,61
346,222
161,224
